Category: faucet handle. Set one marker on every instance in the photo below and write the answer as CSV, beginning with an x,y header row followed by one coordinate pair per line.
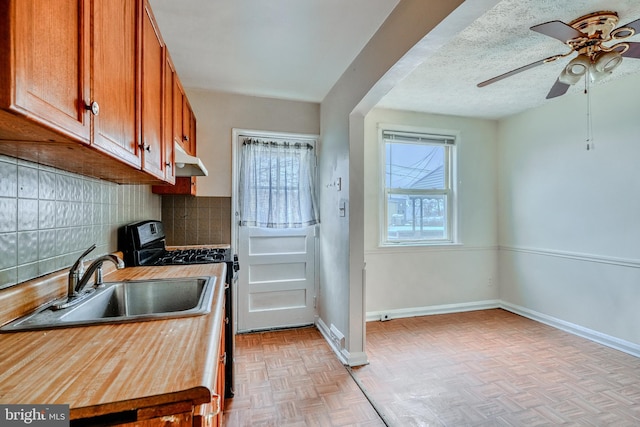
x,y
82,257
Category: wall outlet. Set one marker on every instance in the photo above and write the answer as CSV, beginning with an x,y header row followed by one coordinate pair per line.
x,y
385,317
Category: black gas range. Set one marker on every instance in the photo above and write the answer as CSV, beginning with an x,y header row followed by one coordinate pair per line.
x,y
143,243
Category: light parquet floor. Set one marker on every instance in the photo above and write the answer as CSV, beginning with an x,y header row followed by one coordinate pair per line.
x,y
292,378
495,368
481,368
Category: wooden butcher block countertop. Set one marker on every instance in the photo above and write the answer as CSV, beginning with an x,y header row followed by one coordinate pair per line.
x,y
108,369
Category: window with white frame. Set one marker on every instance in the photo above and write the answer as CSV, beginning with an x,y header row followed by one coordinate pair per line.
x,y
419,199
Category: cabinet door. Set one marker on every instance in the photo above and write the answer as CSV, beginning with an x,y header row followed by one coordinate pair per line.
x,y
178,107
192,132
113,66
186,127
152,94
48,45
167,129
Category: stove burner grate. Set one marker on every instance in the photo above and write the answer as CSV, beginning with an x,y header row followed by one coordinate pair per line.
x,y
192,256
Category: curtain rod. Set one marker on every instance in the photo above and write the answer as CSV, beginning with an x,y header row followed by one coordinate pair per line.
x,y
306,145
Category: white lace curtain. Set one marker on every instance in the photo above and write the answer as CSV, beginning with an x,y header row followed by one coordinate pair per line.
x,y
277,184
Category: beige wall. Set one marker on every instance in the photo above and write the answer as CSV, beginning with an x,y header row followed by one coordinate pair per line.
x,y
417,280
568,217
412,31
218,113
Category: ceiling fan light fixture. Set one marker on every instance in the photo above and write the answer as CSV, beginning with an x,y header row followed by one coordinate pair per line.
x,y
575,69
567,78
606,62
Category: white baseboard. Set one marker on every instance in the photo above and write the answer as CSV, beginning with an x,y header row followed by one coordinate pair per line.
x,y
326,333
360,358
433,309
347,358
595,336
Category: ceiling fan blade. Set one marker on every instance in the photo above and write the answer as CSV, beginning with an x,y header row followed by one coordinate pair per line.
x,y
634,24
519,70
558,30
558,89
633,51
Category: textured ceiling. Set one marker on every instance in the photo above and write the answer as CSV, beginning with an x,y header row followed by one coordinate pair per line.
x,y
497,42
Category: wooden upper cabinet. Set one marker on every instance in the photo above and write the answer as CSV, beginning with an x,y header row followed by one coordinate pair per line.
x,y
187,140
183,120
178,108
113,67
184,185
192,133
83,88
152,66
44,72
167,129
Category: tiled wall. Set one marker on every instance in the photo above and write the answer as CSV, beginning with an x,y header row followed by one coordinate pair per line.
x,y
48,217
192,220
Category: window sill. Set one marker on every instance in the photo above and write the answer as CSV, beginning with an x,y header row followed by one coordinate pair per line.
x,y
416,247
418,244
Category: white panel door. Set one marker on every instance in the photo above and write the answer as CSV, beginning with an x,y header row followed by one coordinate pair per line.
x,y
276,281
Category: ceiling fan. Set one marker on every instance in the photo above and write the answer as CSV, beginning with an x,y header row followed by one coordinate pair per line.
x,y
585,36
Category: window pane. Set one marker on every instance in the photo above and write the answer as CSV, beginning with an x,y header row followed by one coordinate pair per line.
x,y
411,217
414,166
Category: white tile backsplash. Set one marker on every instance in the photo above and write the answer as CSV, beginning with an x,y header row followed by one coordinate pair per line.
x,y
48,217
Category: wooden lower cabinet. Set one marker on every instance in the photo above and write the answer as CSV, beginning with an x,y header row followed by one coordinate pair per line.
x,y
211,414
180,419
184,419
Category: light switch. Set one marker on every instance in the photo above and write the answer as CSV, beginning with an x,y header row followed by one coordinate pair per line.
x,y
342,207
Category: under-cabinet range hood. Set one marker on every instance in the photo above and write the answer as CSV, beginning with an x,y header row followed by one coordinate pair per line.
x,y
187,165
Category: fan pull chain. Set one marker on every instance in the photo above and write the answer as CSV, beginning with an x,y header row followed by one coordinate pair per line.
x,y
587,91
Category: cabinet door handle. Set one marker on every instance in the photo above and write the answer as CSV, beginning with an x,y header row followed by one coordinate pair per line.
x,y
94,107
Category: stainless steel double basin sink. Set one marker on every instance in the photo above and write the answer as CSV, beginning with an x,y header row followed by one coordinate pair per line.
x,y
127,301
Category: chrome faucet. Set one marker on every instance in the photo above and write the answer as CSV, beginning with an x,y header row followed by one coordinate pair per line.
x,y
76,272
79,278
96,266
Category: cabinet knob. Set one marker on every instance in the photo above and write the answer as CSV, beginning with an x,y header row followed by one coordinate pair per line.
x,y
185,138
94,107
168,165
145,147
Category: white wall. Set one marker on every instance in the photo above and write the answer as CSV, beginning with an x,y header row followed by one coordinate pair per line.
x,y
414,280
218,113
569,228
342,290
